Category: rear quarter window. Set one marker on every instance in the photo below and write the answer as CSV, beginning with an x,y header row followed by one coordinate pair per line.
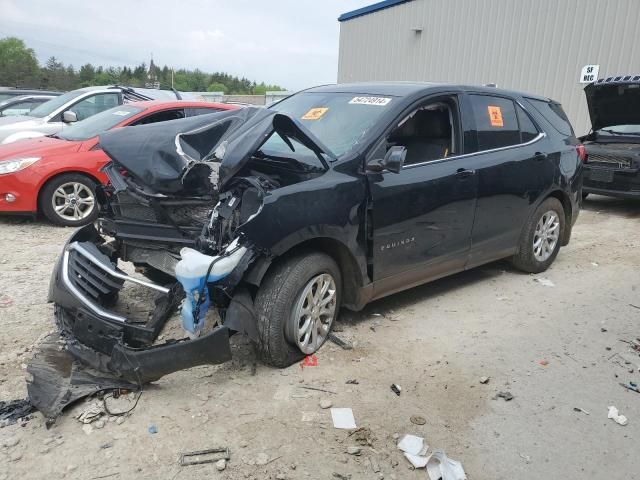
x,y
554,114
496,121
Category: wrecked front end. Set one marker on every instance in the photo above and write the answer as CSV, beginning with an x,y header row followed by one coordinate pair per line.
x,y
156,285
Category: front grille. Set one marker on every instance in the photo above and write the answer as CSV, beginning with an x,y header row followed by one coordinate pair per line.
x,y
614,161
194,214
91,280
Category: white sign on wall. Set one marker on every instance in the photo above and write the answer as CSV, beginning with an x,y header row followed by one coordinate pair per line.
x,y
589,73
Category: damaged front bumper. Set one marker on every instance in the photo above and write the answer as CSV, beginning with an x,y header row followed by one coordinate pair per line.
x,y
85,282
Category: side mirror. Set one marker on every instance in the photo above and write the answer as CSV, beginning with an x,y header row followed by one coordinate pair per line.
x,y
392,161
69,117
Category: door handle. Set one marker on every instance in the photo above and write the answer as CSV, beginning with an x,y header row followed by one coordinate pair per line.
x,y
464,173
538,157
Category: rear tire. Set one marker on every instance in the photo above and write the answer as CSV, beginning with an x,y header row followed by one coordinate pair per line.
x,y
280,301
70,200
541,237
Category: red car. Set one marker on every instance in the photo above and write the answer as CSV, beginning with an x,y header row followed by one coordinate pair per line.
x,y
57,175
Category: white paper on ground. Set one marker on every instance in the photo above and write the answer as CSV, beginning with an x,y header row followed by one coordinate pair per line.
x,y
616,417
439,466
416,460
413,445
343,418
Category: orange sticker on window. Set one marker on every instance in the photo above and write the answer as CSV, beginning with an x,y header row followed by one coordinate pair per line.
x,y
315,113
495,116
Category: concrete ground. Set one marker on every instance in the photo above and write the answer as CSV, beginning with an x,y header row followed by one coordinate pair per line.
x,y
554,348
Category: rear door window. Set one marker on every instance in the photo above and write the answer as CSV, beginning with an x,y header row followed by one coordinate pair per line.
x,y
528,129
554,114
496,121
162,116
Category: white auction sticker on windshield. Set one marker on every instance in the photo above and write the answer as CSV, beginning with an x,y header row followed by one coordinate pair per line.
x,y
380,101
121,113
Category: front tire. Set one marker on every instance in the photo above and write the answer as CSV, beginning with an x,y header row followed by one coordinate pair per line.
x,y
296,306
541,238
70,200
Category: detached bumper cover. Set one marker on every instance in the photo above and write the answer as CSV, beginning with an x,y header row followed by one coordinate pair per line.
x,y
100,349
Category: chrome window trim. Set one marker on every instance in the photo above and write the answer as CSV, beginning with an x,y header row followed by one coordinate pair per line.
x,y
88,303
540,136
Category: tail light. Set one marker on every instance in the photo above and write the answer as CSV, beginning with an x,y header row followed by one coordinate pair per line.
x,y
582,152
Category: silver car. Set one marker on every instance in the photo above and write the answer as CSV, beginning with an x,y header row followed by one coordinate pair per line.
x,y
59,112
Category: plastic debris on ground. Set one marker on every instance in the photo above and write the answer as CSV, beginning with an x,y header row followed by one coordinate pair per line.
x,y
92,412
545,282
631,386
614,415
309,361
152,429
439,466
343,418
395,388
418,420
340,342
15,411
578,409
415,450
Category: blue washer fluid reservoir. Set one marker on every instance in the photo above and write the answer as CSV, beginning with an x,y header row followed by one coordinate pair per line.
x,y
191,271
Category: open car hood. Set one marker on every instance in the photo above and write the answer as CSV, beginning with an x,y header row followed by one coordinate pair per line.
x,y
613,103
162,155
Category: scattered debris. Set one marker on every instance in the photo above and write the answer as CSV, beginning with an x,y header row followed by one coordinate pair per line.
x,y
317,389
484,380
341,476
544,362
211,455
362,436
578,409
526,458
343,418
545,282
14,411
92,412
415,450
417,420
395,388
221,464
616,417
439,466
602,329
338,341
152,429
352,382
351,450
325,403
631,386
506,395
309,361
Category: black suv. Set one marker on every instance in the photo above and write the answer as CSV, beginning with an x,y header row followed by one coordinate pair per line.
x,y
333,197
613,146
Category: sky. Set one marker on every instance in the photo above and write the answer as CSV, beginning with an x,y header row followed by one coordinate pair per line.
x,y
292,43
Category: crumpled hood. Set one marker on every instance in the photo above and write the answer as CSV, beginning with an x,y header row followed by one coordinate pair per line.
x,y
615,103
162,155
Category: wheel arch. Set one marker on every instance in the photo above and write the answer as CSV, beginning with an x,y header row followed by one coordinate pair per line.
x,y
565,201
352,278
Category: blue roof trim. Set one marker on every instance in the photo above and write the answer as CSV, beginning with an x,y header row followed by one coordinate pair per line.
x,y
370,9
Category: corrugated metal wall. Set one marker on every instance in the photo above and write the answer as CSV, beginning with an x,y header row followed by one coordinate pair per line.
x,y
536,46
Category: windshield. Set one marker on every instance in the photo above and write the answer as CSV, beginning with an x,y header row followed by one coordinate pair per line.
x,y
621,130
339,120
47,108
98,123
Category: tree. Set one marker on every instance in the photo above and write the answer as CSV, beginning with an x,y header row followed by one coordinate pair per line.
x,y
217,87
18,64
